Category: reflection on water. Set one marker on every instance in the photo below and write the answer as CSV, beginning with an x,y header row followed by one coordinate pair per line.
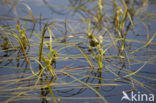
x,y
76,50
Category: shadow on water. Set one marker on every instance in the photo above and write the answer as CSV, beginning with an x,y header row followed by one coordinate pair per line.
x,y
76,50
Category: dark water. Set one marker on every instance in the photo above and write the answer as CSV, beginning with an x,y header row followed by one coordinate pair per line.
x,y
17,84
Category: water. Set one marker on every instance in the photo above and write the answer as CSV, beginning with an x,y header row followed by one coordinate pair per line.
x,y
76,80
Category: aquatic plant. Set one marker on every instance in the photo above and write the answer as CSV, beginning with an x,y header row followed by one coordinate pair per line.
x,y
94,49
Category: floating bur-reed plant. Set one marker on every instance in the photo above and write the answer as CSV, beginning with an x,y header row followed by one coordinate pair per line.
x,y
96,42
5,44
92,39
22,37
51,58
